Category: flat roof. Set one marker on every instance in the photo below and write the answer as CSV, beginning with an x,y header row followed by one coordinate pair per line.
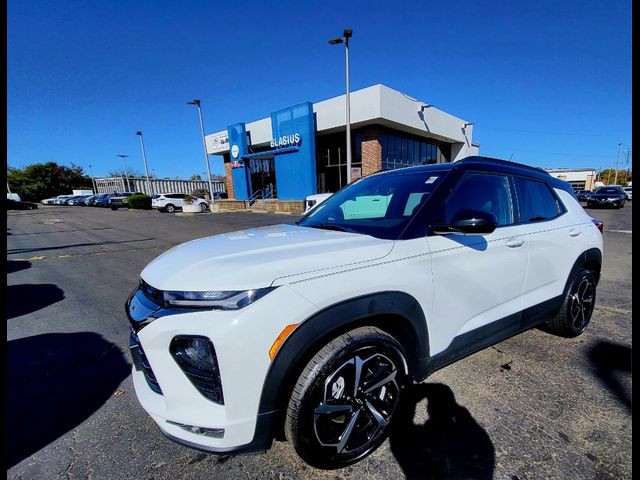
x,y
374,105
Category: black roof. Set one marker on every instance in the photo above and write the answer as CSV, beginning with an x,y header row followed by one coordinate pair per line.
x,y
493,165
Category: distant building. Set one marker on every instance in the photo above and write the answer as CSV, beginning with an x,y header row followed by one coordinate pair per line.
x,y
578,178
136,184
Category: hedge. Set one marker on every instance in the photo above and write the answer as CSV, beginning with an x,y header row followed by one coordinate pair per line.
x,y
141,202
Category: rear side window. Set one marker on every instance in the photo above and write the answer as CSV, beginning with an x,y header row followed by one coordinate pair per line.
x,y
537,201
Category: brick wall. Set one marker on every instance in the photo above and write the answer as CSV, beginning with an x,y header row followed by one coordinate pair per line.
x,y
371,151
228,180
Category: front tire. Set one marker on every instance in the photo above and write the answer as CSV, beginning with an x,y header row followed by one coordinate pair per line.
x,y
344,399
203,207
577,308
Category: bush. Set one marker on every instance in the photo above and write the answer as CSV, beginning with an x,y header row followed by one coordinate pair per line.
x,y
141,202
188,199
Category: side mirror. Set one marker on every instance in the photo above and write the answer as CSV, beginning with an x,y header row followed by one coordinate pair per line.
x,y
468,222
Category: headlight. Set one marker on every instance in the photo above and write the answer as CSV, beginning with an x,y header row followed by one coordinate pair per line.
x,y
229,300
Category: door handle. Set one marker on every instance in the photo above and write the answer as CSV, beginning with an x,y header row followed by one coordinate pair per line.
x,y
575,233
514,242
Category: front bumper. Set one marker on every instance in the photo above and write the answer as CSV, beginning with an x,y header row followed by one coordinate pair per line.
x,y
241,339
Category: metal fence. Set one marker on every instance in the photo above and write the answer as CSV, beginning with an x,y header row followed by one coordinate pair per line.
x,y
119,184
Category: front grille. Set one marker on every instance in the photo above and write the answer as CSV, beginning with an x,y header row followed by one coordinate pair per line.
x,y
141,363
153,294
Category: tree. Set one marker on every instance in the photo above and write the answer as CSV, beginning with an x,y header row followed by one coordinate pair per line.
x,y
130,173
195,177
43,180
608,176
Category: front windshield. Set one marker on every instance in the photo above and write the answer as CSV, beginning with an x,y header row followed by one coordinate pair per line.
x,y
380,205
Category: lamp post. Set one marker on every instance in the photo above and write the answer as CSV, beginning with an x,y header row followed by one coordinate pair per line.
x,y
196,102
93,182
334,41
144,158
122,156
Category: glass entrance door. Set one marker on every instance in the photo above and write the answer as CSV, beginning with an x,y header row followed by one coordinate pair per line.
x,y
263,176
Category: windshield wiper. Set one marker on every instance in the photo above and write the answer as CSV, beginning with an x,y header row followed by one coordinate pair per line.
x,y
327,226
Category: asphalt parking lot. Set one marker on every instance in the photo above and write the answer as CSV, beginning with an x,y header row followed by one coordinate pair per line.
x,y
534,406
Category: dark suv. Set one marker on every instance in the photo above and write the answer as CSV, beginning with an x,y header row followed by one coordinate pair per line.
x,y
609,196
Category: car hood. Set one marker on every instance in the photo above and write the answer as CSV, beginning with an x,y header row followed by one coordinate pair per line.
x,y
255,258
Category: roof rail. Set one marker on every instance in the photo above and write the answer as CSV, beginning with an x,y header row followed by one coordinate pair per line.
x,y
498,161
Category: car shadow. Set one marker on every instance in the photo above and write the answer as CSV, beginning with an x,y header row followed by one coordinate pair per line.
x,y
89,244
612,361
55,382
27,298
17,265
449,444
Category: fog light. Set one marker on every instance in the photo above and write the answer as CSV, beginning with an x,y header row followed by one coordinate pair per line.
x,y
207,432
197,359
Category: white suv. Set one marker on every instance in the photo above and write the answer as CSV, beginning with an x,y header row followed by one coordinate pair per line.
x,y
315,329
169,202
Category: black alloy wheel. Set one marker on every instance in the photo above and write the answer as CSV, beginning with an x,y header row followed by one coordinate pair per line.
x,y
577,308
344,399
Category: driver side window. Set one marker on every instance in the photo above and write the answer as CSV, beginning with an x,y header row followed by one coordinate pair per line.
x,y
480,191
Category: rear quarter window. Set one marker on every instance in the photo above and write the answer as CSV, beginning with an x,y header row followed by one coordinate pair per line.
x,y
537,201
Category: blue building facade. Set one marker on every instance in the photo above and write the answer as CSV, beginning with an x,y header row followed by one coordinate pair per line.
x,y
287,169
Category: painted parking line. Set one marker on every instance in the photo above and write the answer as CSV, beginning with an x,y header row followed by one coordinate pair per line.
x,y
620,231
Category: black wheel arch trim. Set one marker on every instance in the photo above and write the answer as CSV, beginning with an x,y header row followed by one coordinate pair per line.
x,y
397,313
592,259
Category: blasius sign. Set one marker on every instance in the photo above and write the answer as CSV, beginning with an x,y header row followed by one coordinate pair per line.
x,y
287,141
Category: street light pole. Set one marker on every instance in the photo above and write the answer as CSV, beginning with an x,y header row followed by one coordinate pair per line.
x,y
334,41
615,179
125,168
93,182
196,102
144,158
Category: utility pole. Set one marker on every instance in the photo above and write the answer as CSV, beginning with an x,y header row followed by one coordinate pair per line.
x,y
626,166
615,180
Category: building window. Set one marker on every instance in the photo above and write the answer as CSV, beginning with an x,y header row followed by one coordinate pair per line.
x,y
403,151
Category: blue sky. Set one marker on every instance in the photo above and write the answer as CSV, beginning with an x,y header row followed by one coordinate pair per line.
x,y
546,83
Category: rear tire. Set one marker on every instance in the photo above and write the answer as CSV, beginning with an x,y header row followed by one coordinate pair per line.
x,y
344,399
169,208
203,207
577,308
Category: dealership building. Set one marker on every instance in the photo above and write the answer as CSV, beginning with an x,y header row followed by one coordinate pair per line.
x,y
300,150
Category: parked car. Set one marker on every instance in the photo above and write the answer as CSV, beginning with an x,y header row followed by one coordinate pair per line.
x,y
20,205
48,201
103,200
583,195
77,200
60,199
88,200
170,202
120,200
609,196
315,329
627,191
312,200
